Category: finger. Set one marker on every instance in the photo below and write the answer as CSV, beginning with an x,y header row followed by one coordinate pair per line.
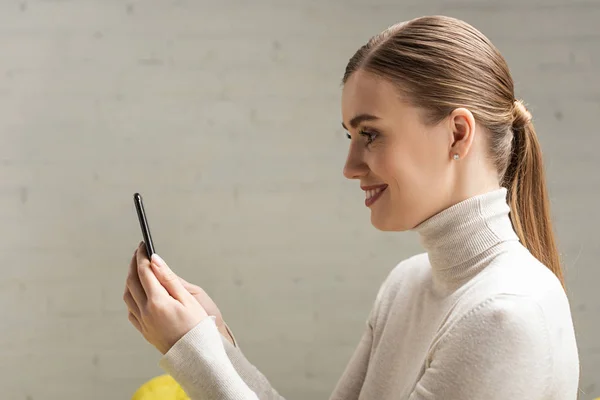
x,y
134,321
141,252
131,304
169,280
149,281
190,287
185,283
133,282
196,291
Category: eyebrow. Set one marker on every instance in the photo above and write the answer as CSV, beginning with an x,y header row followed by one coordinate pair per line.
x,y
360,118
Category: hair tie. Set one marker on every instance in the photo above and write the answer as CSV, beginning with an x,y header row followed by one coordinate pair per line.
x,y
521,116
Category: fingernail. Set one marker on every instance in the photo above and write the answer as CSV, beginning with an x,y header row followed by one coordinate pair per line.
x,y
157,261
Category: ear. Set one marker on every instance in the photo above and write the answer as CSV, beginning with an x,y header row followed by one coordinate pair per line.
x,y
462,127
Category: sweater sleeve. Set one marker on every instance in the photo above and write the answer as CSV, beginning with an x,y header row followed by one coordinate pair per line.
x,y
249,373
208,367
350,384
499,350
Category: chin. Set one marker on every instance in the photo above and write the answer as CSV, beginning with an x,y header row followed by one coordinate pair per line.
x,y
386,223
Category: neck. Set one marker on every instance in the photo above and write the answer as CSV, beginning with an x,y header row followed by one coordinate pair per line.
x,y
465,231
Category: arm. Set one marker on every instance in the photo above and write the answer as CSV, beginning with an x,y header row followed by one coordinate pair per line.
x,y
350,384
200,364
201,360
207,359
249,373
499,350
208,366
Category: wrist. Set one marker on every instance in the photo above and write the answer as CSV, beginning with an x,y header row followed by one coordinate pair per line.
x,y
224,329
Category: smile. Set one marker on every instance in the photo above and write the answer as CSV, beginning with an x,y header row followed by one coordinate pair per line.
x,y
372,193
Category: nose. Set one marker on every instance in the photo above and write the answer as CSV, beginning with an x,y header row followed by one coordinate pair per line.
x,y
355,167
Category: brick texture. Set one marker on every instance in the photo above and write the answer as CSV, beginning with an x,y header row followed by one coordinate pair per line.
x,y
226,117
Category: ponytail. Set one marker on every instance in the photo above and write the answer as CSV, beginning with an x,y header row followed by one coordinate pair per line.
x,y
442,63
527,194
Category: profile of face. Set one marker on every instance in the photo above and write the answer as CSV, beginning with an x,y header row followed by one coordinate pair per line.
x,y
405,167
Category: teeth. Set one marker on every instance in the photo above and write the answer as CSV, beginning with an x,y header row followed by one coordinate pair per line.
x,y
371,193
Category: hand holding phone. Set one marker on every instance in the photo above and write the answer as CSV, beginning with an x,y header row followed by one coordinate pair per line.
x,y
139,206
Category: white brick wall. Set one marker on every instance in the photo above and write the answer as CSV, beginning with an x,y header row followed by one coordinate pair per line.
x,y
225,116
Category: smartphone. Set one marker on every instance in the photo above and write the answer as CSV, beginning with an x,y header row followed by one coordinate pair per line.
x,y
139,206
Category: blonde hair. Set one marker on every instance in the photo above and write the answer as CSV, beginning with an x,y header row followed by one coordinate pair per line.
x,y
442,63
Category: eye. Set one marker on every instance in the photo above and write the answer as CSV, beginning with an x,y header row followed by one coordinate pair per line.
x,y
369,135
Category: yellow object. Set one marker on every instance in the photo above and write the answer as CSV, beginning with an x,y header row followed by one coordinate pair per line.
x,y
162,387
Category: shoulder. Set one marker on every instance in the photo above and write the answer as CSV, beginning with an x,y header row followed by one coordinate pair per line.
x,y
509,329
517,276
504,341
518,271
511,314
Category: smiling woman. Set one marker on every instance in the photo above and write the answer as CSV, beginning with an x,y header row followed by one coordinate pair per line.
x,y
440,146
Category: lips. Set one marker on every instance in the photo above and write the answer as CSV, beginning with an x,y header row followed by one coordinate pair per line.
x,y
373,193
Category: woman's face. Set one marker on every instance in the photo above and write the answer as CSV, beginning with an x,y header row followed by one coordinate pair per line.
x,y
403,166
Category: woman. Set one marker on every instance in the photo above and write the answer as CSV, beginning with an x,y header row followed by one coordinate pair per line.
x,y
441,146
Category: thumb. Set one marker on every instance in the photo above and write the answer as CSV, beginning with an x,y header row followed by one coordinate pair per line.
x,y
168,279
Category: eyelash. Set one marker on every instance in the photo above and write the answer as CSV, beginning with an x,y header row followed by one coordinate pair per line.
x,y
371,136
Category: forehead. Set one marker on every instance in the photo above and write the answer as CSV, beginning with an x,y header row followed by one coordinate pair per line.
x,y
365,93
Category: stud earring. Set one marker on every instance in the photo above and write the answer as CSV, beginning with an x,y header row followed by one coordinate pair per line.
x,y
456,156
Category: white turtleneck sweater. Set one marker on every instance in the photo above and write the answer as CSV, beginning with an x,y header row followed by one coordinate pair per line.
x,y
477,317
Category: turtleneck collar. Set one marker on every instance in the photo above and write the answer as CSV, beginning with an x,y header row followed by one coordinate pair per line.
x,y
465,231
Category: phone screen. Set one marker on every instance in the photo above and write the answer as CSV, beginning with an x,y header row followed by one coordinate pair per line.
x,y
139,206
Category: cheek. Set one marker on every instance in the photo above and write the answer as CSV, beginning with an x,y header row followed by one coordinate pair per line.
x,y
385,165
412,166
403,168
413,175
